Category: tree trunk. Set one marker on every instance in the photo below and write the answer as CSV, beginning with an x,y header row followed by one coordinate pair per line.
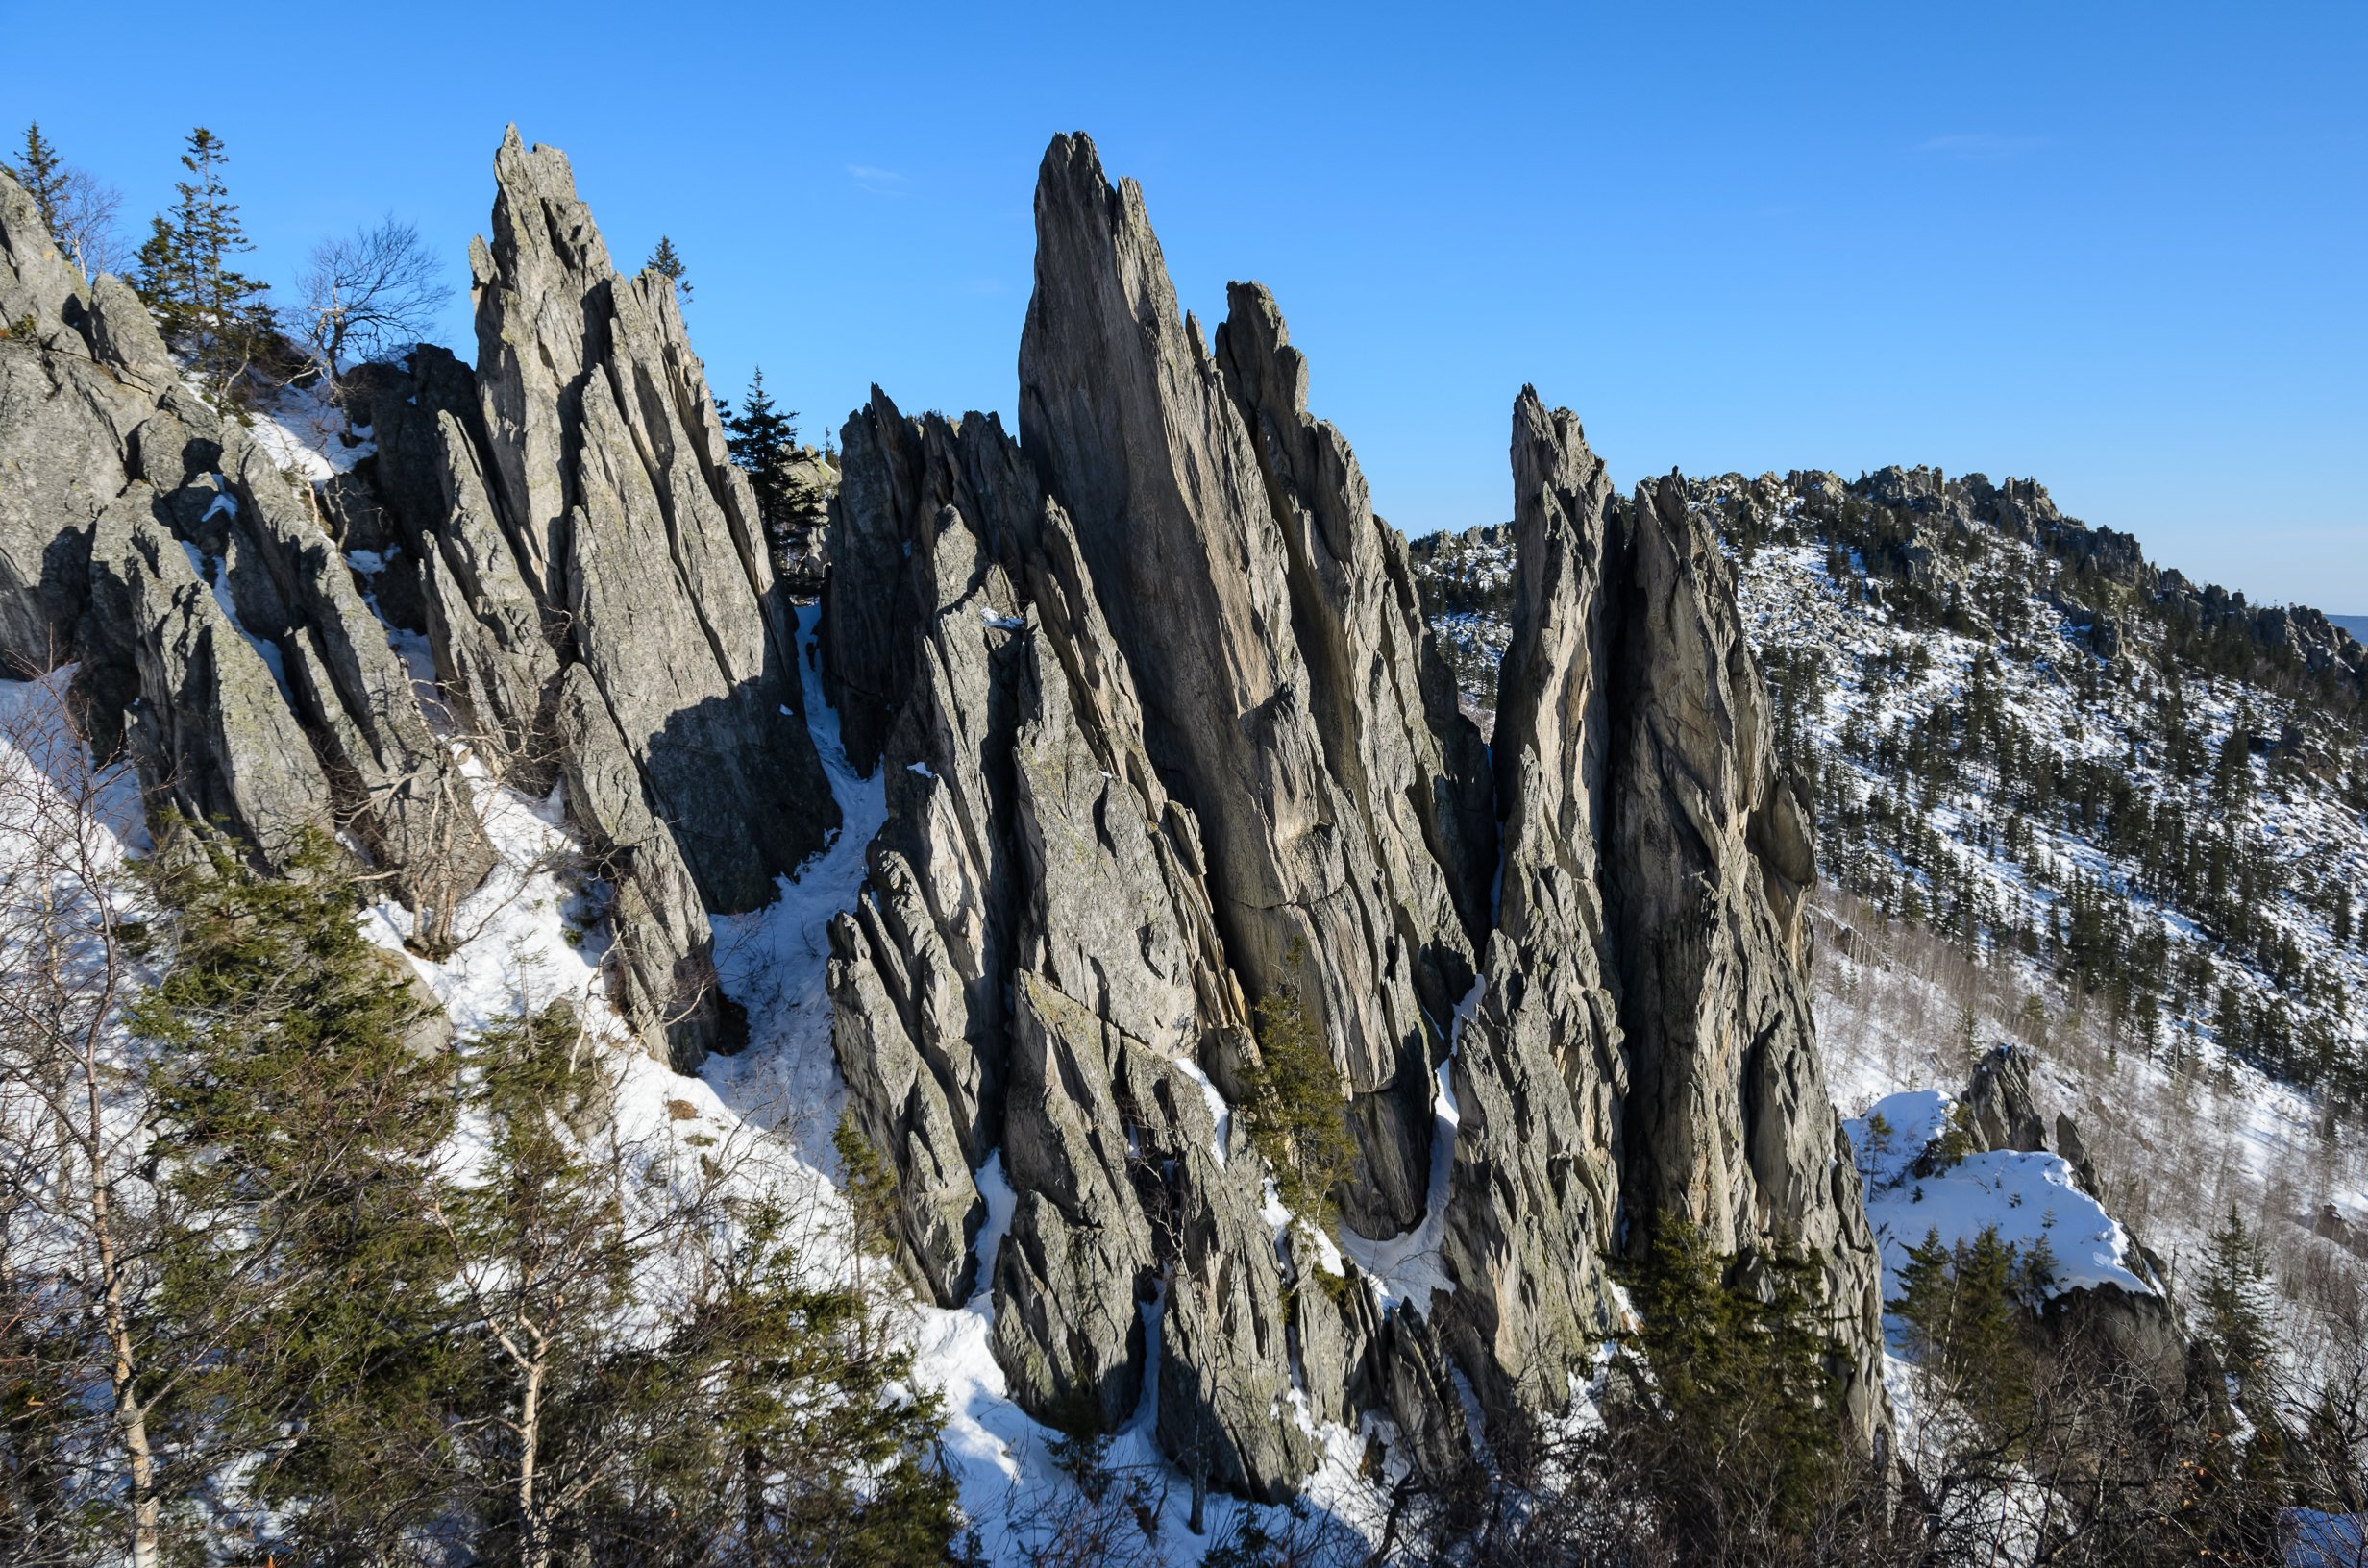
x,y
534,1530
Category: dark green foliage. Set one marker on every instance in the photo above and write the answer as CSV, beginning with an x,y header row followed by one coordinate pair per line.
x,y
2233,1301
763,441
667,262
1965,1312
870,1183
769,1428
213,312
1959,1139
389,1333
298,1119
1297,1110
43,175
1741,1417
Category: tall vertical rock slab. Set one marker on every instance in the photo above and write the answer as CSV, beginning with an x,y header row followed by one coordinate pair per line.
x,y
1728,1125
630,522
1220,569
1540,1073
1033,975
1162,729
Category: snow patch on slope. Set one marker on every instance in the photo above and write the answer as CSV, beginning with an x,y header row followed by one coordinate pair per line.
x,y
2023,1196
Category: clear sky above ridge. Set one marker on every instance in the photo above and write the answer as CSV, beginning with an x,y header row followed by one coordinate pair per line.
x,y
2116,247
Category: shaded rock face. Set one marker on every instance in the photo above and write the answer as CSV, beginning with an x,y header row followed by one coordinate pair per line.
x,y
588,567
1162,733
1710,849
635,531
1035,972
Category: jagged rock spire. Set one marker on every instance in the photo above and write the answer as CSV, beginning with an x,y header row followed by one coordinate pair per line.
x,y
1162,731
1279,657
640,536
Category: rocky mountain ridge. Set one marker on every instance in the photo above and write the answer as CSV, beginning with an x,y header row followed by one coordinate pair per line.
x,y
1166,739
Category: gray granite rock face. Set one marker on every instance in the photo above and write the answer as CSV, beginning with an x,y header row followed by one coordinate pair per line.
x,y
1727,1124
1161,733
564,529
633,529
588,570
1541,1074
1282,663
1034,974
154,542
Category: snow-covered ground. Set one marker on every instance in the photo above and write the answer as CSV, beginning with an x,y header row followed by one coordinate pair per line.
x,y
305,434
2024,1199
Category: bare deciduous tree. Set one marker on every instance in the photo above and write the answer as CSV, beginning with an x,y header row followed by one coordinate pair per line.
x,y
77,1209
367,295
84,221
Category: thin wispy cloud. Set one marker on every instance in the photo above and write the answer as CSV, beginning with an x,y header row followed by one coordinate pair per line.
x,y
1981,147
879,181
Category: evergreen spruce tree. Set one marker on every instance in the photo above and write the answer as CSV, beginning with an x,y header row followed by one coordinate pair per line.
x,y
204,304
763,441
299,1114
667,262
1298,1106
78,212
43,175
2235,1299
1743,1419
1927,1298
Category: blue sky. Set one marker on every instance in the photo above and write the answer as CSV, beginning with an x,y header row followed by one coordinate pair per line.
x,y
2118,248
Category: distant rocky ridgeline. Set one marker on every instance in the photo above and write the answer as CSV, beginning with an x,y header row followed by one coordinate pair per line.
x,y
1926,514
1164,737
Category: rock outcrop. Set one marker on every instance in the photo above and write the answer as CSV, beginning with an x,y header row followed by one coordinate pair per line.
x,y
591,575
562,528
218,627
1163,734
1243,571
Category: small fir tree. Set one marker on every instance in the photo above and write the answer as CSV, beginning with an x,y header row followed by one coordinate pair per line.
x,y
763,442
1743,1416
299,1112
204,304
667,262
43,175
2235,1300
1297,1112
